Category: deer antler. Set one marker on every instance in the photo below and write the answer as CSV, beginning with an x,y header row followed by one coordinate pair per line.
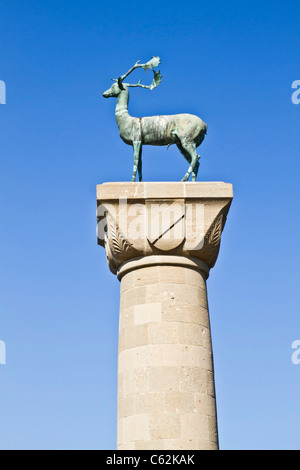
x,y
154,62
156,81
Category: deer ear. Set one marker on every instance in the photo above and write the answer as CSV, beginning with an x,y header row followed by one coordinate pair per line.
x,y
120,83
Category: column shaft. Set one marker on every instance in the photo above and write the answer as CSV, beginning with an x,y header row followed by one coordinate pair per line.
x,y
166,396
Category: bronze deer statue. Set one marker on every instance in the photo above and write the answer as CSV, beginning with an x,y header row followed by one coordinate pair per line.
x,y
187,131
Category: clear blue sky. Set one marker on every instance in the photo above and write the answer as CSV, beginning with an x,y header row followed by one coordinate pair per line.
x,y
233,64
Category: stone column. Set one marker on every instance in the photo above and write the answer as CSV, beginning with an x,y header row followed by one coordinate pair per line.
x,y
161,239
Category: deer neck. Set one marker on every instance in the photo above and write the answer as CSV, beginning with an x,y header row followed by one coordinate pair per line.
x,y
122,108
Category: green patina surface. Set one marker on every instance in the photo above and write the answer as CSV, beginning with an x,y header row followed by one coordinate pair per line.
x,y
187,131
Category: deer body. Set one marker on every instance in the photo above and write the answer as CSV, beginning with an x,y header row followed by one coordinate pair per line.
x,y
187,131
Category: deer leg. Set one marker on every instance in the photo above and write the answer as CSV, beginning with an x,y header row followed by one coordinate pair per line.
x,y
190,148
195,172
140,165
136,157
189,159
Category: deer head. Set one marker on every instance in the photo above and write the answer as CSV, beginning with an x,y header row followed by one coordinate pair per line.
x,y
120,86
113,91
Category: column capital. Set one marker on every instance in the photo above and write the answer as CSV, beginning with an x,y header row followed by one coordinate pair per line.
x,y
158,220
